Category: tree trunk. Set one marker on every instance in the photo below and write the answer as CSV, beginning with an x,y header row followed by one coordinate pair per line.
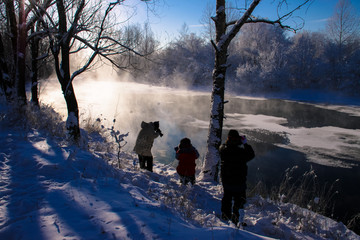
x,y
5,80
20,58
12,28
34,69
72,122
212,158
12,24
63,74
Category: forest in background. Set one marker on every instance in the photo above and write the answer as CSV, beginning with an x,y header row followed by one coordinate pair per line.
x,y
263,59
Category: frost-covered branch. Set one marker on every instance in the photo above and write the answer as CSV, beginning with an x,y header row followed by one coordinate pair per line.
x,y
239,23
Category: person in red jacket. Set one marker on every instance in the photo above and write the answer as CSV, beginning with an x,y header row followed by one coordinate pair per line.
x,y
186,154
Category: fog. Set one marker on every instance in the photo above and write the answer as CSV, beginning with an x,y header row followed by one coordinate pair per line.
x,y
309,128
131,103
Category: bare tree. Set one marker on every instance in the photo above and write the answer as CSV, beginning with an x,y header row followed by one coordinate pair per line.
x,y
141,40
225,33
38,45
343,29
20,18
8,80
81,25
34,48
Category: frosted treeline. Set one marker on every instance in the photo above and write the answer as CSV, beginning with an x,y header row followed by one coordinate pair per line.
x,y
263,58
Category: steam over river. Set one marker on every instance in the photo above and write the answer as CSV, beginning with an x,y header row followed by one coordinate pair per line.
x,y
283,133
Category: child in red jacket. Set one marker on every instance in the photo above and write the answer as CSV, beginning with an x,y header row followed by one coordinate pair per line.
x,y
186,154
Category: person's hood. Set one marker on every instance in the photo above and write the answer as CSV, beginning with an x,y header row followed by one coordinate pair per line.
x,y
145,125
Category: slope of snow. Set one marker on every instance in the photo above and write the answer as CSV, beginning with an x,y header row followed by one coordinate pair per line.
x,y
50,190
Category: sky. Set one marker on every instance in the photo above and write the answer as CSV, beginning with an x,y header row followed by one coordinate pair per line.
x,y
168,16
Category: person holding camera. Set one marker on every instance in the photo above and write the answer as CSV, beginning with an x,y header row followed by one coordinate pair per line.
x,y
144,142
234,155
186,154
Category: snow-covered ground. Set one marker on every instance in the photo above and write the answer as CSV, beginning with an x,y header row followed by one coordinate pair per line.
x,y
50,190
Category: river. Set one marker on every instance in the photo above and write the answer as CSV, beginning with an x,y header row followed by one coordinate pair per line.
x,y
320,137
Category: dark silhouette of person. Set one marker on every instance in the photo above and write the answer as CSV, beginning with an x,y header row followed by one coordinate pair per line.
x,y
144,142
234,154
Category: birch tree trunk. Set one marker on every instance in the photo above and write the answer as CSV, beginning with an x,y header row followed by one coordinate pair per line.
x,y
209,171
223,38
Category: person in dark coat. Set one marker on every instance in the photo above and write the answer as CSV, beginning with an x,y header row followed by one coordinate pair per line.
x,y
144,142
234,154
186,154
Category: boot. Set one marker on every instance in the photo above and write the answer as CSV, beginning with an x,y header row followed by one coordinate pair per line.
x,y
235,219
241,217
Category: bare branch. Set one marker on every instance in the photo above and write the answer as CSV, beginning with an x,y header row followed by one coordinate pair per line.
x,y
239,23
214,45
289,14
278,22
83,69
72,29
38,10
122,45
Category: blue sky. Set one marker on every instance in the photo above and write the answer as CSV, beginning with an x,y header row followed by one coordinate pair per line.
x,y
170,15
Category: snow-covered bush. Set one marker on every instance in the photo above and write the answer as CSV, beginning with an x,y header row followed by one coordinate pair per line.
x,y
182,201
43,118
119,140
103,139
305,191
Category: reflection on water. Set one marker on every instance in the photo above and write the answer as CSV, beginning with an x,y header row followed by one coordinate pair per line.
x,y
186,114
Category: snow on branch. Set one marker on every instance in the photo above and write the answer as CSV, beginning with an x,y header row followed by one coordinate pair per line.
x,y
225,40
248,18
278,21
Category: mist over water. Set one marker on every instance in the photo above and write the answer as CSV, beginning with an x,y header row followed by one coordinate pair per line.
x,y
283,133
179,111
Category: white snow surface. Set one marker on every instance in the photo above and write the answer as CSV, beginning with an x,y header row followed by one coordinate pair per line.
x,y
49,190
